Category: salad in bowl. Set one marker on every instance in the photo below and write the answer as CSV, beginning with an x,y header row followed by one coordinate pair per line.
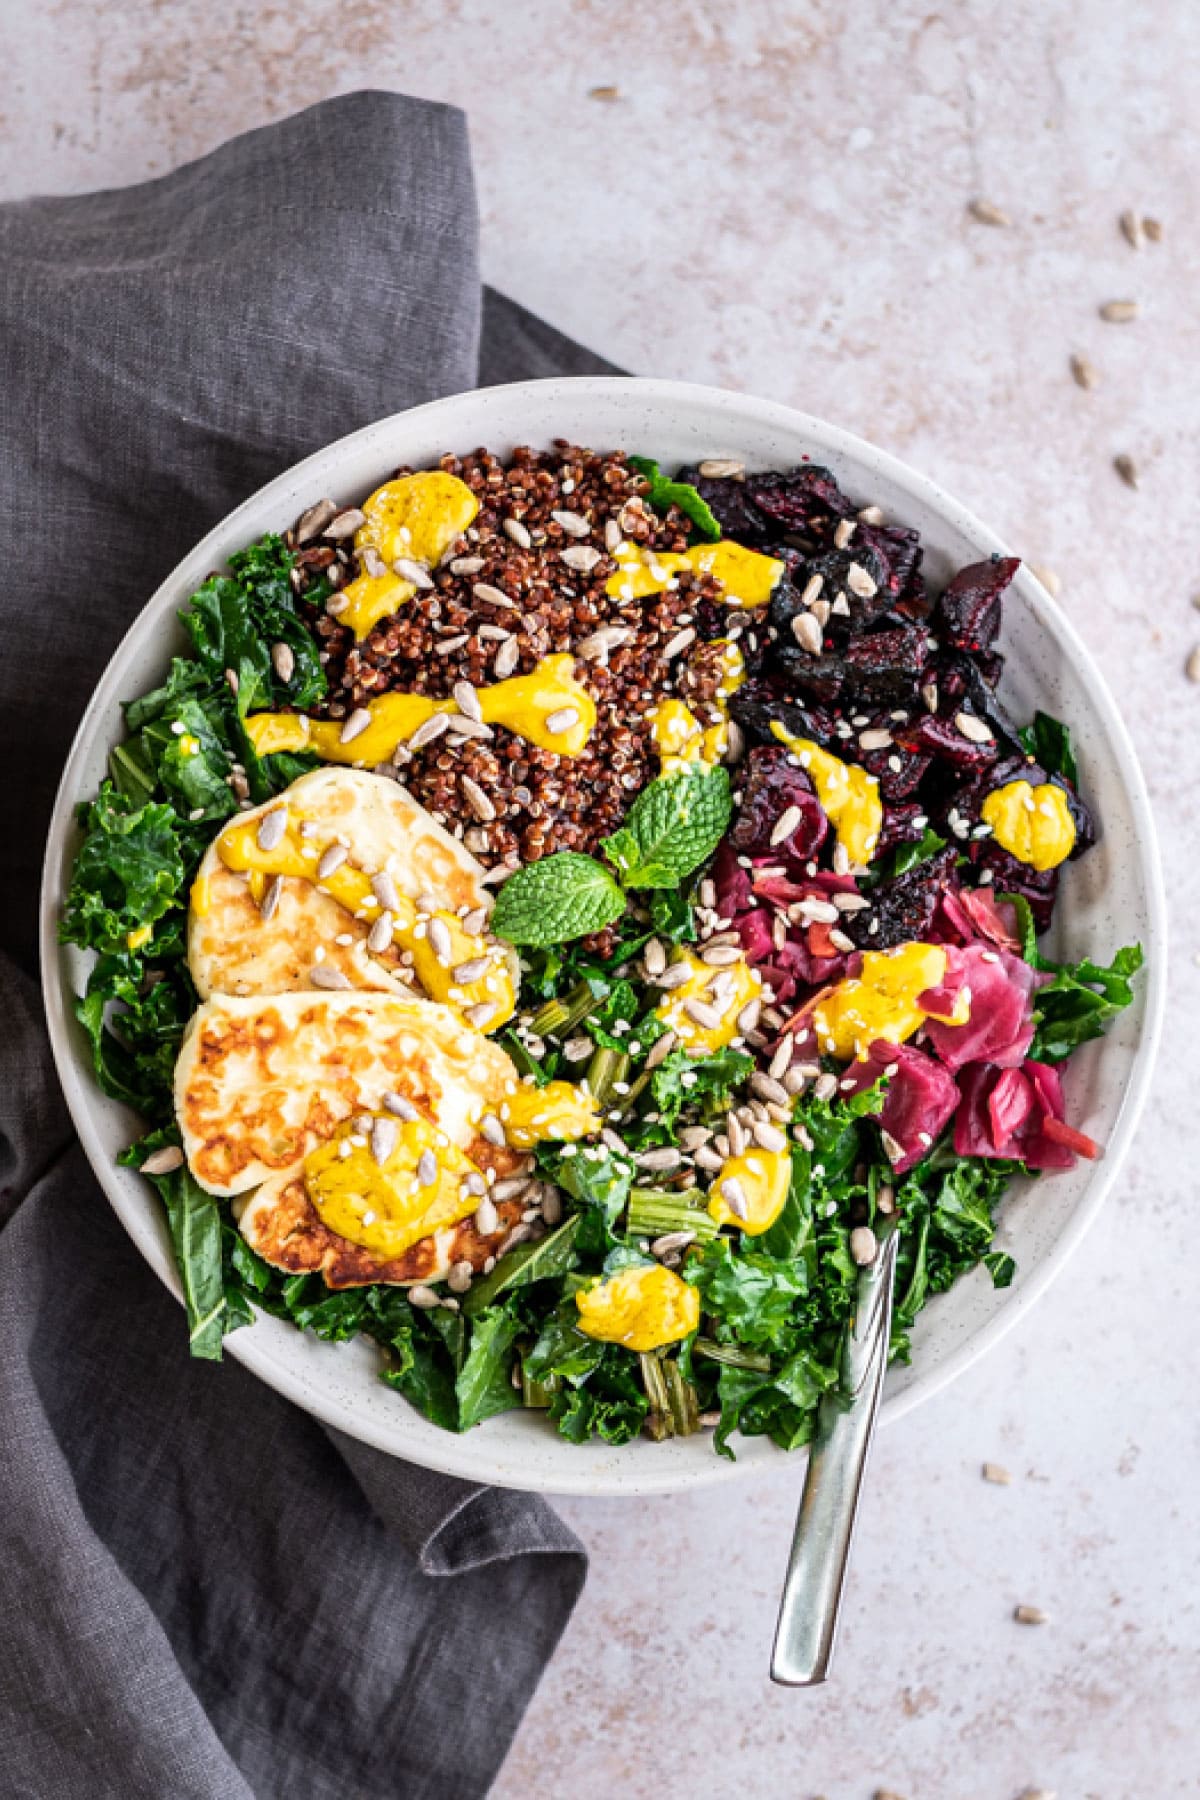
x,y
556,908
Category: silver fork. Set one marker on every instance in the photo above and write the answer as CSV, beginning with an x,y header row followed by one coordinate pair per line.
x,y
812,1590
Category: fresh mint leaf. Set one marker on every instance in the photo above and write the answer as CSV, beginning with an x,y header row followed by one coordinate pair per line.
x,y
562,897
665,493
672,827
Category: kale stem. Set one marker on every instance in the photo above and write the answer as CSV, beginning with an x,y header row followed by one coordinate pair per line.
x,y
660,1422
537,1393
606,1068
685,1407
727,1353
654,1211
558,1016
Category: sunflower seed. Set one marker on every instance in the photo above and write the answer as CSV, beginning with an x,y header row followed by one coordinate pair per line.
x,y
722,468
1192,666
582,557
1153,229
1128,470
161,1162
891,1149
1049,580
734,1196
864,1246
552,1205
427,1169
440,941
859,582
596,647
466,699
384,889
986,213
447,646
767,1088
460,1277
384,1133
675,976
612,1141
271,828
735,1134
271,899
561,720
312,523
747,1019
325,977
572,524
998,1476
659,1161
870,515
1131,229
817,912
1084,372
973,728
782,1060
1119,312
612,536
507,658
825,1087
345,523
841,942
875,740
355,725
492,596
402,1108
785,825
720,956
769,1137
333,859
408,569
700,1013
379,938
807,633
487,1219
795,1080
1029,1615
467,973
519,533
283,661
462,730
423,1296
477,800
480,1016
336,605
682,641
843,534
429,729
660,1049
708,1159
576,1048
851,903
466,565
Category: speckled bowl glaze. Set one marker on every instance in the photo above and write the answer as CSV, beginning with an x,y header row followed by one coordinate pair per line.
x,y
1113,896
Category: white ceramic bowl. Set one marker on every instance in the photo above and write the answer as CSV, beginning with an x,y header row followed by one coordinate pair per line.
x,y
1112,896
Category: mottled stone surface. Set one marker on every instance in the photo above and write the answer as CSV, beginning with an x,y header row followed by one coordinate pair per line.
x,y
777,202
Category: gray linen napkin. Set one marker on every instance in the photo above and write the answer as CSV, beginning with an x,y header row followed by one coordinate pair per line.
x,y
202,1591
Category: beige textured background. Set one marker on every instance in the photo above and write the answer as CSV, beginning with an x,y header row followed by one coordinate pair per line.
x,y
776,202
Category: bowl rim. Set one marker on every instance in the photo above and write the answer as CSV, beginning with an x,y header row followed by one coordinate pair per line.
x,y
457,1455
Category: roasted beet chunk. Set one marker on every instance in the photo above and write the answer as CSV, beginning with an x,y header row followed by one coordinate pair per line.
x,y
771,787
1009,876
902,909
759,705
807,501
899,552
731,506
852,584
884,668
969,609
903,823
945,740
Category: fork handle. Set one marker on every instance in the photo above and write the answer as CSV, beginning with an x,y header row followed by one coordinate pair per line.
x,y
812,1590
